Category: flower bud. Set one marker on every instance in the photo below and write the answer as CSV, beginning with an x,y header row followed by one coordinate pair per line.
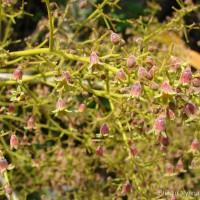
x,y
94,59
153,49
67,77
115,38
131,62
3,163
166,88
179,165
176,63
139,40
14,143
82,107
99,151
186,76
142,72
11,108
82,4
126,187
136,89
154,86
165,141
60,104
120,75
195,145
133,151
190,109
31,123
160,124
196,82
169,168
8,189
170,114
151,71
17,74
104,129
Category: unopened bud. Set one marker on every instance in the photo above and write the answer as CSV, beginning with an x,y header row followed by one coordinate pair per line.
x,y
60,104
166,88
195,145
82,4
94,59
133,151
120,75
169,169
126,187
3,163
14,143
160,124
136,89
196,82
179,165
104,129
190,109
31,122
99,151
142,72
8,189
186,76
131,62
17,74
82,107
115,38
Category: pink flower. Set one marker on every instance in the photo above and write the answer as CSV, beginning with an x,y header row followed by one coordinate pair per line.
x,y
115,38
160,124
136,89
17,74
186,76
14,143
166,88
104,129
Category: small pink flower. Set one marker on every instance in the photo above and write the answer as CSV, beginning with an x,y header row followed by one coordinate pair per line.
x,y
131,62
133,151
14,142
82,107
8,189
11,108
196,82
3,163
160,124
166,88
170,114
67,77
169,168
186,76
195,145
120,75
142,72
82,4
31,122
104,129
17,74
94,59
115,38
60,104
190,109
99,151
136,89
126,187
179,165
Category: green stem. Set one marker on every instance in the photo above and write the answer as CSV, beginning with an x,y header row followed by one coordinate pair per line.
x,y
50,25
